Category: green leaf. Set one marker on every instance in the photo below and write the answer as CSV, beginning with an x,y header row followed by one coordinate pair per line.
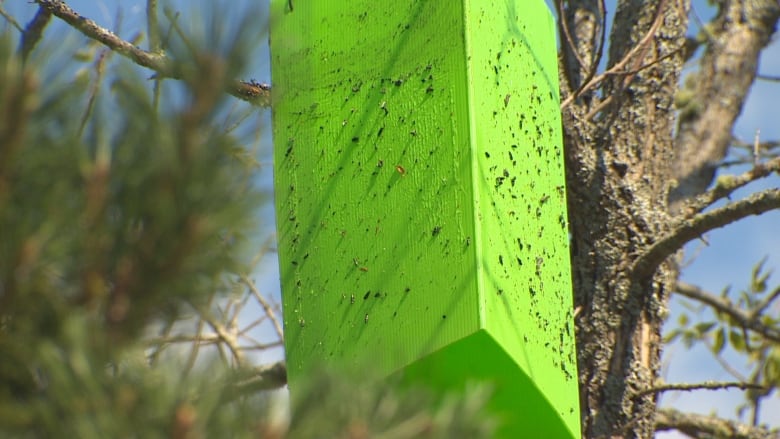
x,y
719,341
772,368
704,327
672,336
737,340
759,278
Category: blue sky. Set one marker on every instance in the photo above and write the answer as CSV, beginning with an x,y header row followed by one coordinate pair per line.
x,y
726,258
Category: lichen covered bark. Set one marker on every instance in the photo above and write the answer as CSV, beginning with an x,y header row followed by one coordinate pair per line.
x,y
619,140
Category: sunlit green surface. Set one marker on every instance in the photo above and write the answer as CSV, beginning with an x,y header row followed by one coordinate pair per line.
x,y
420,197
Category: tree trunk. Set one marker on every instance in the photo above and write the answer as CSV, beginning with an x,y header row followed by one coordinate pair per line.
x,y
619,151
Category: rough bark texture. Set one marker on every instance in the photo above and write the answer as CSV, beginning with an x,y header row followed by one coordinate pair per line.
x,y
627,155
619,151
713,97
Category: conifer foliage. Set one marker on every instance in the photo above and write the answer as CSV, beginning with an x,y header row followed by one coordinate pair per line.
x,y
128,217
111,223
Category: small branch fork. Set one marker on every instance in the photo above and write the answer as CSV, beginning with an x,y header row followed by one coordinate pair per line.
x,y
746,320
693,223
620,67
251,91
726,186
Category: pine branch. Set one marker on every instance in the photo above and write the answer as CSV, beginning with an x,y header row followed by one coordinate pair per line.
x,y
692,228
695,425
250,91
725,306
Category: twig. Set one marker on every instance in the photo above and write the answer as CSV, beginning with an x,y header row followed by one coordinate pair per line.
x,y
618,68
725,306
158,347
567,34
727,185
226,337
690,228
99,64
266,306
250,91
706,385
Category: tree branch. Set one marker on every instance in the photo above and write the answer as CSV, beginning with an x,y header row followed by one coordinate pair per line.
x,y
620,67
706,385
250,91
698,425
691,228
266,306
727,184
725,306
727,70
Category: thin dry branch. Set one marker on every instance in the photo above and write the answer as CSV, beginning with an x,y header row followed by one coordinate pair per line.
x,y
706,385
691,228
266,306
250,91
620,67
223,333
700,425
723,305
727,70
726,185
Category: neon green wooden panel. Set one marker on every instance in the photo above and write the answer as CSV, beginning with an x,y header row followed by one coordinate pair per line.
x,y
420,197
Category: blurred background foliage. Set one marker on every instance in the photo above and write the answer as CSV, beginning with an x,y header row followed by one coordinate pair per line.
x,y
128,220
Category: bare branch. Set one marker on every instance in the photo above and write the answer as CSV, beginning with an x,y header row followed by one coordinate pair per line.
x,y
266,306
564,25
726,185
727,70
699,425
725,306
691,228
250,91
224,333
706,385
620,67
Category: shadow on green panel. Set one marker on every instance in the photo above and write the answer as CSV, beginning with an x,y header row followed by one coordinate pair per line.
x,y
523,410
